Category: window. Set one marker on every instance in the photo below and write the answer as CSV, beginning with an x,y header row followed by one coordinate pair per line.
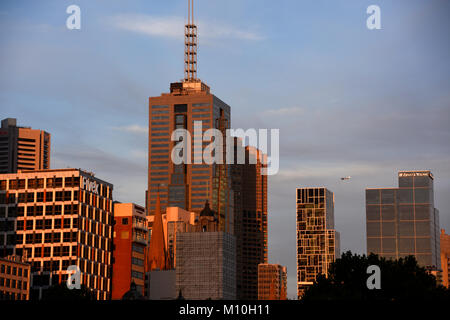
x,y
180,108
138,248
124,221
137,261
137,274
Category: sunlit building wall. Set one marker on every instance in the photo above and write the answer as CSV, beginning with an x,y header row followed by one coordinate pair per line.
x,y
55,219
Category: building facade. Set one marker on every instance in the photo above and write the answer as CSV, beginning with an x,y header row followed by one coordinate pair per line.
x,y
130,244
317,240
23,148
445,258
187,186
403,221
272,282
175,221
14,278
55,219
206,260
250,208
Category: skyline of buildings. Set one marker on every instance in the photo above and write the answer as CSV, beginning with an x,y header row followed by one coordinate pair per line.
x,y
237,196
177,220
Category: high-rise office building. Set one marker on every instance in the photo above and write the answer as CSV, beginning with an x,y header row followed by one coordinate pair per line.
x,y
55,219
445,258
23,148
130,244
250,208
272,282
317,240
206,260
187,186
403,221
14,278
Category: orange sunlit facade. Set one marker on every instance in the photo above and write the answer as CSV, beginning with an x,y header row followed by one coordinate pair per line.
x,y
23,148
130,243
445,258
55,219
272,282
14,278
187,186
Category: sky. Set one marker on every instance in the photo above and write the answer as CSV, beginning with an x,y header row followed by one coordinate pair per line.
x,y
348,101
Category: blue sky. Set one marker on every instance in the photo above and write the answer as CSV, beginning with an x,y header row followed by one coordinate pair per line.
x,y
348,101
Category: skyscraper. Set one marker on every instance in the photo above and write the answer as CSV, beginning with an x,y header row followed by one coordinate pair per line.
x,y
23,148
55,219
130,243
317,241
250,207
272,282
403,221
187,186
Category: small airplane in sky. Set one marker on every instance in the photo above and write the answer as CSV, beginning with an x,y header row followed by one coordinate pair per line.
x,y
346,178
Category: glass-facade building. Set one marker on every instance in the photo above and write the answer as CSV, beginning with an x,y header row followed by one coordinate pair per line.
x,y
317,241
403,221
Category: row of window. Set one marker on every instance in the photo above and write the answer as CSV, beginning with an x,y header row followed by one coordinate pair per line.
x,y
13,271
39,183
13,284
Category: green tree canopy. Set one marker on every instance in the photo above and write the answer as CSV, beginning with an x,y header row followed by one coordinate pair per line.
x,y
401,279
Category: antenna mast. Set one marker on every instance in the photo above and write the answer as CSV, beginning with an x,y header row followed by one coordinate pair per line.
x,y
190,46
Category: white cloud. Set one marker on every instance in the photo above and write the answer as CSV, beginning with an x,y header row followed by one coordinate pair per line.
x,y
173,27
134,128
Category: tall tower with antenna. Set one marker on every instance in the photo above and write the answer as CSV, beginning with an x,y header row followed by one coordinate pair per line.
x,y
190,46
188,185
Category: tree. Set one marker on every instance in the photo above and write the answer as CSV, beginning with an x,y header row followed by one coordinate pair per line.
x,y
401,279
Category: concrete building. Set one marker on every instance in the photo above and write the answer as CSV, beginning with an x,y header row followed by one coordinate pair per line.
x,y
403,221
317,240
445,258
14,278
130,244
23,148
55,219
206,260
272,282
